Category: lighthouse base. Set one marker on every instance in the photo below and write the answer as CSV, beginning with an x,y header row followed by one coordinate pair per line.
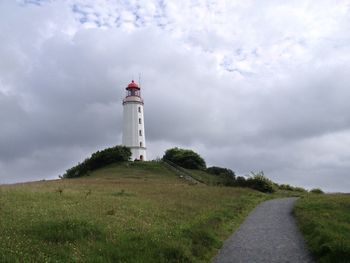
x,y
138,153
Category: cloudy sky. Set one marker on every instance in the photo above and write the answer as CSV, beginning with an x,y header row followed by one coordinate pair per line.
x,y
250,85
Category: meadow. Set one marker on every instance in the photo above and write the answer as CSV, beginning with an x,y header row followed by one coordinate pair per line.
x,y
324,220
129,212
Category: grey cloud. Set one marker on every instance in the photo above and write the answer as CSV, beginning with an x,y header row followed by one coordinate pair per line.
x,y
61,92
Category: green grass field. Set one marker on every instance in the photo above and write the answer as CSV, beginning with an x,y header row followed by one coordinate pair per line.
x,y
325,222
205,177
136,212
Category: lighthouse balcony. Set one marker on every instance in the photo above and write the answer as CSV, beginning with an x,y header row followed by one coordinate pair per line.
x,y
132,99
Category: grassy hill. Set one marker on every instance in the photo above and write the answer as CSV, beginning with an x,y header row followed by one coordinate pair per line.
x,y
129,212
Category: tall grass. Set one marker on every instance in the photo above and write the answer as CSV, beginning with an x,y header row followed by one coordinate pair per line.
x,y
133,212
325,222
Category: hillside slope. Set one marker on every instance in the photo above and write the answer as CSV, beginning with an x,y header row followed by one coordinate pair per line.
x,y
131,212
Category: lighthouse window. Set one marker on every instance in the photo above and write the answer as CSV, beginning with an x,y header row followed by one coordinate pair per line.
x,y
139,109
140,144
140,121
140,132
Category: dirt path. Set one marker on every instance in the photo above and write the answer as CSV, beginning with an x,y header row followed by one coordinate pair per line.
x,y
269,234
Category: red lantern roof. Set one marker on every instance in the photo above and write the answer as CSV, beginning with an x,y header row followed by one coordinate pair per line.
x,y
133,85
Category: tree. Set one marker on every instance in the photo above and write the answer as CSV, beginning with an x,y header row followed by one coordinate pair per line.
x,y
185,158
99,159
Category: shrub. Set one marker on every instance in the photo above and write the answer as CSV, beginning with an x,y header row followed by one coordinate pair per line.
x,y
241,181
227,174
288,187
261,183
99,159
316,191
185,158
299,189
220,171
285,187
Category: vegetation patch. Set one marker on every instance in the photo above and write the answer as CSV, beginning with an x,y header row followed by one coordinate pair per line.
x,y
325,222
140,247
65,231
185,158
316,191
287,187
202,237
261,183
226,176
99,159
122,193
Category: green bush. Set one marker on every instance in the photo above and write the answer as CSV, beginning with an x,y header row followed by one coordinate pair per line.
x,y
227,175
288,187
299,189
99,159
241,181
185,158
261,183
316,191
285,187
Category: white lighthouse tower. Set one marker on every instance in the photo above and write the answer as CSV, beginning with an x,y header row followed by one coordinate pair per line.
x,y
133,122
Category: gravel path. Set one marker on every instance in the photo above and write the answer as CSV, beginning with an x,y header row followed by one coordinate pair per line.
x,y
269,234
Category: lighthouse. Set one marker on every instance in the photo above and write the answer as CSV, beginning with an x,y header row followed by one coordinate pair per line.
x,y
133,122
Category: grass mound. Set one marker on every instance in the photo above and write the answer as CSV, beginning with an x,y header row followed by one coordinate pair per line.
x,y
325,222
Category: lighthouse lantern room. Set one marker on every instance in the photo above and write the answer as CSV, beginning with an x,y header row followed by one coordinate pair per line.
x,y
133,122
